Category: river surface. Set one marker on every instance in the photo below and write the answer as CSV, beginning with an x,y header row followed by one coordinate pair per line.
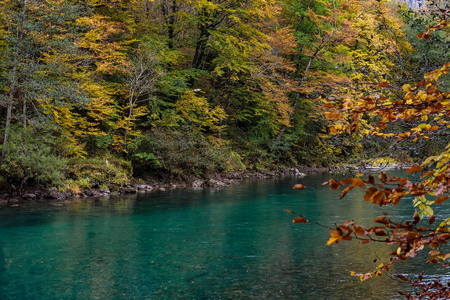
x,y
216,243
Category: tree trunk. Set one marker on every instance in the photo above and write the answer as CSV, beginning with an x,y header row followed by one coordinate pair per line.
x,y
200,46
127,129
297,96
9,112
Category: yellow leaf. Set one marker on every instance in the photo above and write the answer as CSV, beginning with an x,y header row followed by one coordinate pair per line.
x,y
406,87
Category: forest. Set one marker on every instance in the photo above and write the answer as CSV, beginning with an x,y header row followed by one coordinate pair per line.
x,y
99,92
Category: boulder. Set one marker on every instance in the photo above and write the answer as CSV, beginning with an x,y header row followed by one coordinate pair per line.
x,y
216,183
53,194
129,189
197,183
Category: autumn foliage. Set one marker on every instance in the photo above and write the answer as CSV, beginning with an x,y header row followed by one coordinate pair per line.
x,y
426,106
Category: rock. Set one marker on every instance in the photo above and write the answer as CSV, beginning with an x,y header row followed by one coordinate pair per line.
x,y
216,183
56,195
104,191
197,183
96,193
129,189
162,189
297,172
141,186
29,196
13,201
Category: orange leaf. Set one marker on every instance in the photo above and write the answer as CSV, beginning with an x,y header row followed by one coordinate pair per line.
x,y
359,230
381,220
334,185
358,182
299,186
289,211
397,198
378,197
299,220
383,84
370,193
345,191
382,177
346,181
441,199
336,236
414,169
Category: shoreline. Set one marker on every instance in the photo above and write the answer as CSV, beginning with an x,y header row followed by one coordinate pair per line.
x,y
50,195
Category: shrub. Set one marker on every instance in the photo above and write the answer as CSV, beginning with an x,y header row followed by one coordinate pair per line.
x,y
30,159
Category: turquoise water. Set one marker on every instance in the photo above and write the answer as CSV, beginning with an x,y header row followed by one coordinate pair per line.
x,y
227,243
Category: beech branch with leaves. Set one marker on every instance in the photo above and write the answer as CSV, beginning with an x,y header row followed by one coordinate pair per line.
x,y
421,102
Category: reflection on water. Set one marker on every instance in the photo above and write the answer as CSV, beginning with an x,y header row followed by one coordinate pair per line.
x,y
235,242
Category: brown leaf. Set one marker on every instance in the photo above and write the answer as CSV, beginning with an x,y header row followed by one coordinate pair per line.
x,y
396,199
289,211
370,179
359,230
379,232
382,177
434,253
378,198
432,219
346,181
358,182
441,199
414,169
370,192
299,220
383,84
416,218
345,191
334,185
403,278
299,186
382,220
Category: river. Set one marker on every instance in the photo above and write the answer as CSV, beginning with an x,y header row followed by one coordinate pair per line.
x,y
215,243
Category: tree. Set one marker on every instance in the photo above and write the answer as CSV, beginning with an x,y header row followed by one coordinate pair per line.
x,y
142,75
426,102
39,69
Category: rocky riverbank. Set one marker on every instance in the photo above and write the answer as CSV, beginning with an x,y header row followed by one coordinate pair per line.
x,y
38,195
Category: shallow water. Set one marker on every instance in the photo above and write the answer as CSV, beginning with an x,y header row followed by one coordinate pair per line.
x,y
218,243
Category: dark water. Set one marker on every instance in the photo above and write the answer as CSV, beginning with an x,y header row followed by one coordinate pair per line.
x,y
229,243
